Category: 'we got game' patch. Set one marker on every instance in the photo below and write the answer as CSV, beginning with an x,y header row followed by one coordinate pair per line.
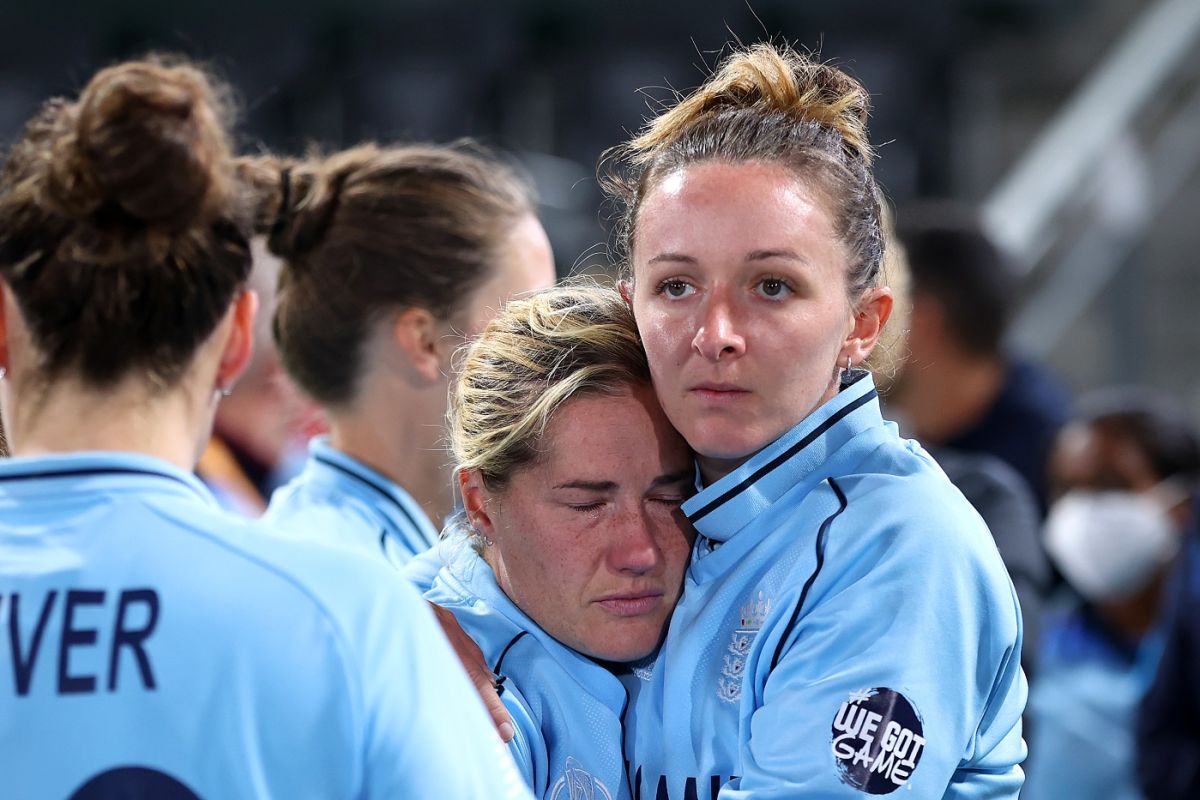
x,y
878,740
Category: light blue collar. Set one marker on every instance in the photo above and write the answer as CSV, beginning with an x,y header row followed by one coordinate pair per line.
x,y
802,454
325,460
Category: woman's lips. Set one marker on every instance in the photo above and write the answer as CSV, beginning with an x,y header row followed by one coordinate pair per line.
x,y
630,605
719,392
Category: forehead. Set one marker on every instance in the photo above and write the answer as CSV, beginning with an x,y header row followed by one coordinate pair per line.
x,y
748,205
624,432
1092,455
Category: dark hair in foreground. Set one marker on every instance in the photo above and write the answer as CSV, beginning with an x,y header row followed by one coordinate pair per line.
x,y
123,234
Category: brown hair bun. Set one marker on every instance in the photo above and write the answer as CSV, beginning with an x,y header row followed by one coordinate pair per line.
x,y
147,138
767,80
123,233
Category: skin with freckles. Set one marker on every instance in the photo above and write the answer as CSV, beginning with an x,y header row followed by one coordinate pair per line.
x,y
589,540
741,298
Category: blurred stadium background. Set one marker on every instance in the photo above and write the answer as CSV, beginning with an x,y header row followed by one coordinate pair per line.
x,y
1073,124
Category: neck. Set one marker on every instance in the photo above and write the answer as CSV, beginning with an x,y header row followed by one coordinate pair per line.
x,y
67,416
947,399
404,447
713,468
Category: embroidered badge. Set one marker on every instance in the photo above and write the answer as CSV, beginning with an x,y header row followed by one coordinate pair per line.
x,y
752,616
878,740
577,783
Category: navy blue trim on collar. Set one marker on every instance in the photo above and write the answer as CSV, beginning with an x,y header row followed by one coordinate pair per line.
x,y
504,653
816,432
383,491
43,474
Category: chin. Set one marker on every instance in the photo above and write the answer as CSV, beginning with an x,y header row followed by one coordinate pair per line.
x,y
623,646
727,443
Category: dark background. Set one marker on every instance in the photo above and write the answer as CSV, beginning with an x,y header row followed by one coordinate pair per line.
x,y
961,90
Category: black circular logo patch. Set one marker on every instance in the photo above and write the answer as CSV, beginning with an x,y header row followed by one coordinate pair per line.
x,y
133,783
878,740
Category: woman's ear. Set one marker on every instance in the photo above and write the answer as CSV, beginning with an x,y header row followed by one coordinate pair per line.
x,y
419,336
239,347
871,315
476,502
625,287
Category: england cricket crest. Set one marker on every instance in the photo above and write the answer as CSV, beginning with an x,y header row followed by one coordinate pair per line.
x,y
577,783
752,615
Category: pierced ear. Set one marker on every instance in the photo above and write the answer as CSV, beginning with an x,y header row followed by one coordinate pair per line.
x,y
872,314
419,336
475,497
239,347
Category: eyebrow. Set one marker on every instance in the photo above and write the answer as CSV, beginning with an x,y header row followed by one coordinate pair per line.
x,y
787,255
611,486
678,258
756,255
591,486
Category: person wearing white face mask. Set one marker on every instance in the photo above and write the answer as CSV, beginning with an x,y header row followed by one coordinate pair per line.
x,y
1121,477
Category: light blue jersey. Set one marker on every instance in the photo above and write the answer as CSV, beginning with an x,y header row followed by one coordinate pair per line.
x,y
566,708
340,500
846,629
153,645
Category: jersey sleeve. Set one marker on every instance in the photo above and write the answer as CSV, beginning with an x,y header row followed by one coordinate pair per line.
x,y
898,666
426,733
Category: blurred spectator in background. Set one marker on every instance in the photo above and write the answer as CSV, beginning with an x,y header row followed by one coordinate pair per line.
x,y
992,487
261,430
960,389
1122,476
1168,732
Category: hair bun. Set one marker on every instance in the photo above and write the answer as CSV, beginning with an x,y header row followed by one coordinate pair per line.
x,y
147,138
768,79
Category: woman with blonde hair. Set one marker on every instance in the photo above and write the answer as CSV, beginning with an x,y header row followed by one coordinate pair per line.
x,y
571,551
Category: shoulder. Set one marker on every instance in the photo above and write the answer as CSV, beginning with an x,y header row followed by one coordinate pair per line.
x,y
344,589
308,508
900,495
899,526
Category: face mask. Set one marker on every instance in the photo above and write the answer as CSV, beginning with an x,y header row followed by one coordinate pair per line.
x,y
1110,544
